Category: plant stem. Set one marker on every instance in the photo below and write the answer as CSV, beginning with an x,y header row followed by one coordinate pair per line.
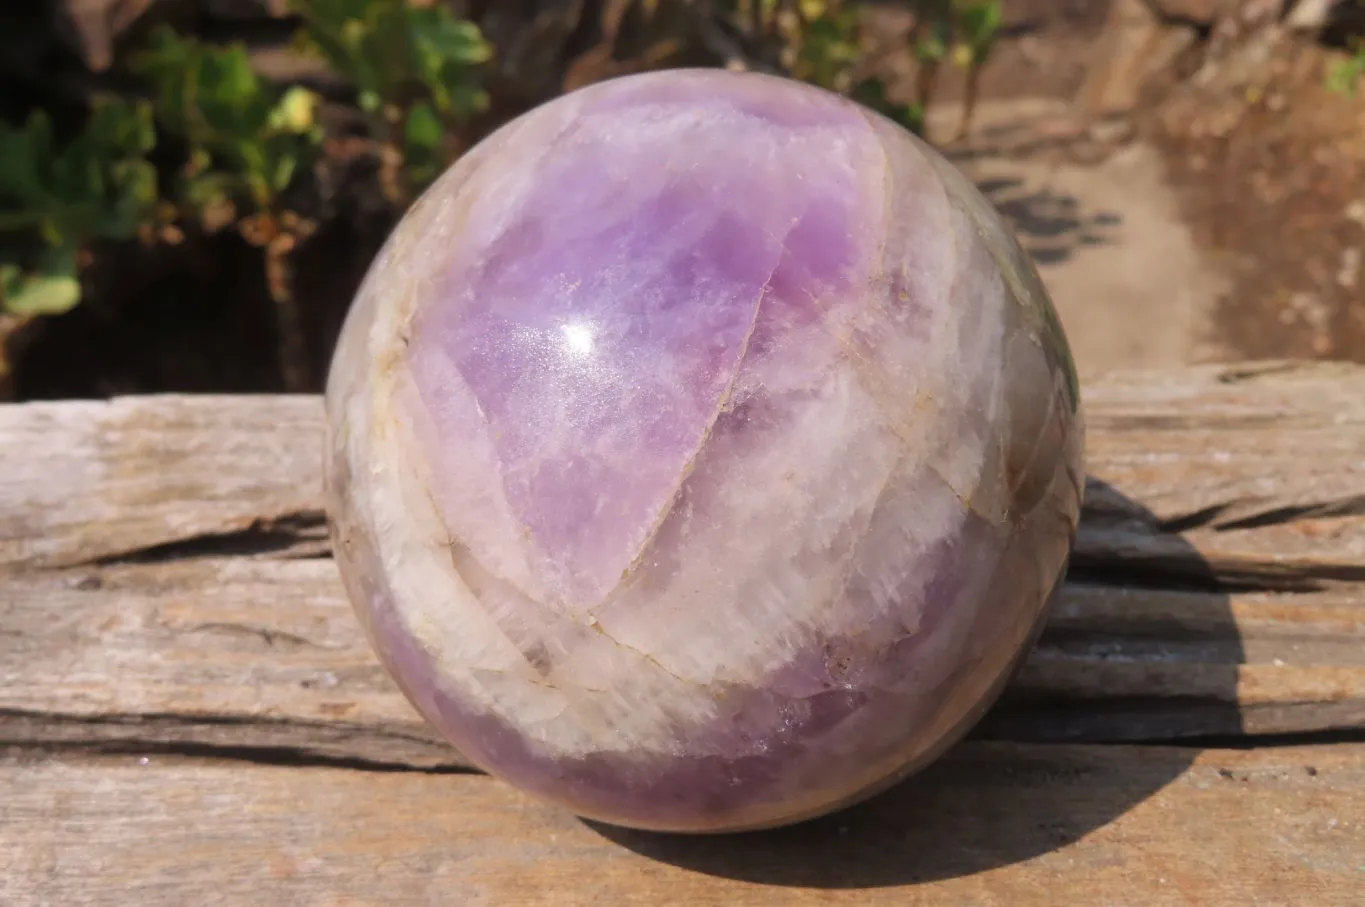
x,y
969,101
291,339
926,80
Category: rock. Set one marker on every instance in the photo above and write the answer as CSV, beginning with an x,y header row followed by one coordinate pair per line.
x,y
703,452
1122,58
1311,15
98,23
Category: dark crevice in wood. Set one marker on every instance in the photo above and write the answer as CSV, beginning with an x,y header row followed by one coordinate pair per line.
x,y
1198,724
1205,516
1192,722
141,719
276,741
279,756
1176,574
296,757
164,724
301,534
1327,736
1208,516
1352,506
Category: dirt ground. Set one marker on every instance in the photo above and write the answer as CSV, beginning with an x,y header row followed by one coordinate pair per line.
x,y
1271,179
1191,192
1108,236
1188,187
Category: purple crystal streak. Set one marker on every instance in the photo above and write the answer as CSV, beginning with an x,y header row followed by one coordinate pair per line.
x,y
626,320
703,452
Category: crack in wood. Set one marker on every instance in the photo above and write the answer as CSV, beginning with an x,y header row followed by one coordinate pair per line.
x,y
262,739
278,756
1208,517
164,591
299,534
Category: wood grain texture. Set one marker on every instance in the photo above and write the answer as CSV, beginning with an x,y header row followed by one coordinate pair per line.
x,y
86,481
190,715
994,824
1261,466
265,652
165,533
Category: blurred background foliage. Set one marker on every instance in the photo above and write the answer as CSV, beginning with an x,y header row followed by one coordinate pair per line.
x,y
200,142
176,160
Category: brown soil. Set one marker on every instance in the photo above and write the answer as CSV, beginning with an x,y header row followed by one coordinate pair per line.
x,y
1270,169
1266,166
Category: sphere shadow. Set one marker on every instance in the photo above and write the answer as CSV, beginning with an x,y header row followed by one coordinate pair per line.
x,y
1051,226
1042,769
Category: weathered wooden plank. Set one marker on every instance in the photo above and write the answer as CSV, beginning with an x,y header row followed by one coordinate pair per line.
x,y
85,480
265,653
164,587
1263,466
220,652
1259,467
189,714
993,824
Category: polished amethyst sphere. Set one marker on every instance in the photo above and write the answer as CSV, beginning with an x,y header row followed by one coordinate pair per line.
x,y
702,453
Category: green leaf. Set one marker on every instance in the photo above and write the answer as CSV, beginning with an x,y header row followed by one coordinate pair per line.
x,y
872,93
122,125
829,47
295,112
285,165
209,189
135,198
423,130
170,66
260,189
397,54
439,36
98,185
370,101
54,289
232,100
979,24
932,45
423,134
252,157
446,52
467,99
1343,76
254,137
21,151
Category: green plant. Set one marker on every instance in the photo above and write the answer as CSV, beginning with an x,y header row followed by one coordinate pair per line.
x,y
1344,75
246,140
247,143
97,186
417,74
976,26
961,33
830,53
822,42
